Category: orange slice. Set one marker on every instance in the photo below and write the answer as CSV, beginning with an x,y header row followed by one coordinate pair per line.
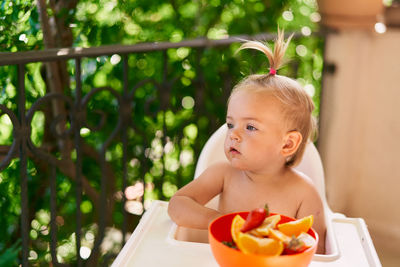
x,y
236,225
256,233
269,223
296,227
279,236
249,244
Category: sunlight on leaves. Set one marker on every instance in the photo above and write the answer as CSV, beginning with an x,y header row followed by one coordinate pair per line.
x,y
191,131
188,102
217,33
37,128
43,217
186,157
169,189
5,129
86,206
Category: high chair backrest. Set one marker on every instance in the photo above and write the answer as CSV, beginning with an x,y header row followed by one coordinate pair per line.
x,y
310,165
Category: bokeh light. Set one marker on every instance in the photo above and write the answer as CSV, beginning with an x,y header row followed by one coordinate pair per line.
x,y
380,27
187,102
306,31
301,50
84,252
287,15
134,191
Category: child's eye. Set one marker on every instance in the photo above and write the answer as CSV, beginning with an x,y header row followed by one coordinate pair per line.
x,y
251,128
230,125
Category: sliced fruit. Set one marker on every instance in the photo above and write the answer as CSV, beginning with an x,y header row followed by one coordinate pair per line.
x,y
294,246
279,236
269,223
308,240
237,224
296,227
254,219
272,220
256,233
249,244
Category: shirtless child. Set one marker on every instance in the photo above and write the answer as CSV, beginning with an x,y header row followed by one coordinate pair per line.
x,y
269,123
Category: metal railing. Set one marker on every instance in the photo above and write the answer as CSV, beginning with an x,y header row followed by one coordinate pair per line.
x,y
68,154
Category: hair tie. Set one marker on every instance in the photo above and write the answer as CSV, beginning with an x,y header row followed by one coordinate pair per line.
x,y
272,71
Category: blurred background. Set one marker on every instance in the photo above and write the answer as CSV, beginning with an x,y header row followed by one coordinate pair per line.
x,y
105,106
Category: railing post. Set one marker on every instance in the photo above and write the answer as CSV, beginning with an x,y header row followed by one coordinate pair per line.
x,y
53,215
23,164
78,165
124,144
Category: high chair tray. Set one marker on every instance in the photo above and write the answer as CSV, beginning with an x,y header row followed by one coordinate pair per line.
x,y
153,244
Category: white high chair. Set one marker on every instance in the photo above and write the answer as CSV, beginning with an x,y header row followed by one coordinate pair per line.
x,y
311,165
155,240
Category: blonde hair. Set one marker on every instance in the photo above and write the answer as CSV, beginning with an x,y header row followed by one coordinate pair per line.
x,y
296,103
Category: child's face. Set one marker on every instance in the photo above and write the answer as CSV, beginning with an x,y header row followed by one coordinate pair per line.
x,y
255,131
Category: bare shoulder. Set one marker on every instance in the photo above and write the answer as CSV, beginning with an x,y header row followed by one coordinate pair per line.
x,y
217,170
310,202
303,183
220,166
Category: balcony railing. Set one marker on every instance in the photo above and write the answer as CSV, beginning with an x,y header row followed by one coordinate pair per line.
x,y
101,153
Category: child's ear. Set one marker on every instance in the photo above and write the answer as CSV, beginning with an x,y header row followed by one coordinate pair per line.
x,y
291,143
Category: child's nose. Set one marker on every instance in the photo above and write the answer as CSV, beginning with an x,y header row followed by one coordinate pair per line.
x,y
235,135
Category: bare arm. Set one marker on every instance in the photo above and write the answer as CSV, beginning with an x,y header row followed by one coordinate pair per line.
x,y
312,204
186,208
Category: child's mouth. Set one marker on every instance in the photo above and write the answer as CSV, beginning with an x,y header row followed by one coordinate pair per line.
x,y
234,150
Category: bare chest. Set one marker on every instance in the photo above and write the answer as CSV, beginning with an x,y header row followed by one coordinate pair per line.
x,y
242,196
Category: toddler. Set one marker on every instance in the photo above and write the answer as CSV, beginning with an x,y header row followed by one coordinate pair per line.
x,y
269,120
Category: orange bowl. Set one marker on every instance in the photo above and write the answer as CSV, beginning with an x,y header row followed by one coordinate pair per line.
x,y
220,230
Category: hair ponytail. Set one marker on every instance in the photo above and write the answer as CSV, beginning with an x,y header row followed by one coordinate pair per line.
x,y
276,56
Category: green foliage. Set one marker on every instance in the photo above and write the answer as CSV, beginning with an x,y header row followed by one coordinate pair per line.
x,y
19,26
172,115
8,257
